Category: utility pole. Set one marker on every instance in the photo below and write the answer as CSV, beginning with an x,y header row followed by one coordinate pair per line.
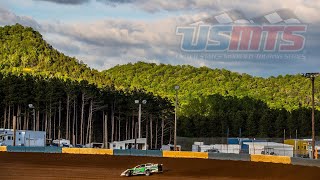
x,y
139,119
312,76
175,118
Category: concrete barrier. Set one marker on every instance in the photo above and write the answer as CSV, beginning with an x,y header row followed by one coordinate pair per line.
x,y
184,154
122,152
71,150
35,149
52,149
16,149
271,159
3,148
305,162
87,151
230,157
104,151
154,153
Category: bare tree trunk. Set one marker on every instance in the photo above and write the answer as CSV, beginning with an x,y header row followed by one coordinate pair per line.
x,y
151,134
67,118
106,130
162,131
76,127
46,121
73,122
170,138
156,141
132,125
81,120
112,121
91,122
103,130
25,127
9,117
59,133
38,120
127,128
119,126
18,118
54,124
147,129
27,118
5,116
88,124
50,121
13,114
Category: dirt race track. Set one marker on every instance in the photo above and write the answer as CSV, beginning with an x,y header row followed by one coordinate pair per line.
x,y
64,166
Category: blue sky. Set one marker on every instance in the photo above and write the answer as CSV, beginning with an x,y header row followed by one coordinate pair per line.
x,y
104,33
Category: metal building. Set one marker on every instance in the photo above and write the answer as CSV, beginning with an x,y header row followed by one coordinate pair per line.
x,y
141,144
23,138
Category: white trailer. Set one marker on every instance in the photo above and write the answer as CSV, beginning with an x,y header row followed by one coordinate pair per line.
x,y
270,148
23,138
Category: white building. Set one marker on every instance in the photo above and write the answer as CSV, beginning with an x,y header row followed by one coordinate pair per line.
x,y
270,148
23,138
130,144
222,148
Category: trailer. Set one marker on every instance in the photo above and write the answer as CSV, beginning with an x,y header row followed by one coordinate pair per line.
x,y
23,138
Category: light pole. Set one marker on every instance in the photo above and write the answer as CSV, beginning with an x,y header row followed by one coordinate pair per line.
x,y
175,117
34,116
139,120
312,76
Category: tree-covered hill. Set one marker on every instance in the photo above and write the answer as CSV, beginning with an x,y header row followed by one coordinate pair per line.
x,y
23,50
289,92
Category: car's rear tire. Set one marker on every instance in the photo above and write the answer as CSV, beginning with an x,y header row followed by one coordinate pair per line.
x,y
148,173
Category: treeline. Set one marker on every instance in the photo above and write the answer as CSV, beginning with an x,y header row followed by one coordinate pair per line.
x,y
289,92
82,112
219,116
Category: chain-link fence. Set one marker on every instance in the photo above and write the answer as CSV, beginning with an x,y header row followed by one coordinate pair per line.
x,y
267,146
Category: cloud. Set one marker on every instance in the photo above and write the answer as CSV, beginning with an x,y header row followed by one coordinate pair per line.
x,y
70,2
9,18
103,43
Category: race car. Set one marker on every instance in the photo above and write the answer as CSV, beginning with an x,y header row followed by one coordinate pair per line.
x,y
143,169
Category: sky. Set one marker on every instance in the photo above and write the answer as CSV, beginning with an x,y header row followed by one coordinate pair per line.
x,y
105,33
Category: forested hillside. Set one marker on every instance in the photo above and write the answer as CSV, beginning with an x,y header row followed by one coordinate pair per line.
x,y
22,50
289,92
76,100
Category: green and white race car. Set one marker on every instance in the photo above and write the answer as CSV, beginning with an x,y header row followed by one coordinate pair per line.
x,y
143,169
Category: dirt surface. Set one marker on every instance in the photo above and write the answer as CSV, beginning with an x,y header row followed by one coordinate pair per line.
x,y
64,166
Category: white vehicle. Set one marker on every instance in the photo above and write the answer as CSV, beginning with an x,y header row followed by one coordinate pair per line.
x,y
143,169
62,142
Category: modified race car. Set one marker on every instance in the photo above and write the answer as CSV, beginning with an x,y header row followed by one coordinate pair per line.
x,y
143,169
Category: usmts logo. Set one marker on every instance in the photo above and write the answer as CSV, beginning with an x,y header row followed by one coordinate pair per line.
x,y
277,32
